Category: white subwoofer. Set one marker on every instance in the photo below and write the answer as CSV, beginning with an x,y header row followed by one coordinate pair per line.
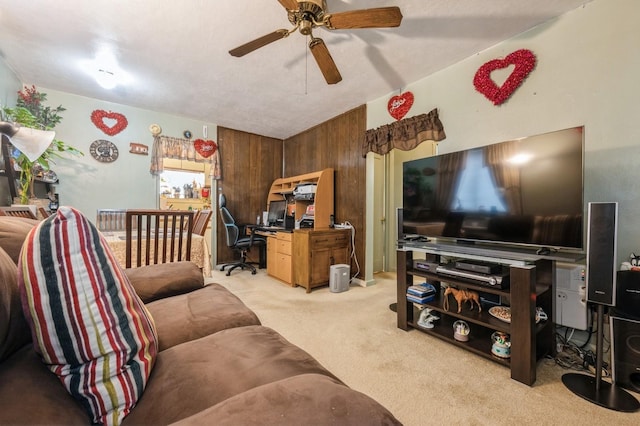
x,y
339,278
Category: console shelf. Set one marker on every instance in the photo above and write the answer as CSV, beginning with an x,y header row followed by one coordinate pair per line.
x,y
531,284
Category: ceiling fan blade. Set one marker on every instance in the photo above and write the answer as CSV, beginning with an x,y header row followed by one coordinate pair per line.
x,y
289,4
258,43
381,17
325,61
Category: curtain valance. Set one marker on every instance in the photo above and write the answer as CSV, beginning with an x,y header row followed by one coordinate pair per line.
x,y
183,149
404,134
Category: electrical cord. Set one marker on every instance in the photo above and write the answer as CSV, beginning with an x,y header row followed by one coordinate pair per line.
x,y
353,249
574,357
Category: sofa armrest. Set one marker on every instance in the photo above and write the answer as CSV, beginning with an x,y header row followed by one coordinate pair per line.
x,y
162,280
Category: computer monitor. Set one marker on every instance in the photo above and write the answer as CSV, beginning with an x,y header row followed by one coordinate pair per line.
x,y
277,210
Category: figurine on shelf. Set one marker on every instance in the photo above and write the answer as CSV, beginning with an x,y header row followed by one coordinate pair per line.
x,y
461,297
188,190
427,318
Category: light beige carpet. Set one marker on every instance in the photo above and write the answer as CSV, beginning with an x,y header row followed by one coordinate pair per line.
x,y
419,378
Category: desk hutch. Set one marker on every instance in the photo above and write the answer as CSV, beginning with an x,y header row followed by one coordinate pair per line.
x,y
302,257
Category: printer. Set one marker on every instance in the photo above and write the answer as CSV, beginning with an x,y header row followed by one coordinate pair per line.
x,y
304,191
307,219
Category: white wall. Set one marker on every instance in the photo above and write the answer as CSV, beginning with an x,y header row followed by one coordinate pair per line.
x,y
126,183
588,63
9,86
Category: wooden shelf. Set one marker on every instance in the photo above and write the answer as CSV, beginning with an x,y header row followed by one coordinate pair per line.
x,y
479,339
530,286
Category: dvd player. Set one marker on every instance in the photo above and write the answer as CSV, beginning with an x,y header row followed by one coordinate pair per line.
x,y
477,266
500,279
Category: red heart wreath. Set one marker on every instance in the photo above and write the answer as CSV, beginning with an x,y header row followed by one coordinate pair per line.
x,y
205,148
400,105
524,61
98,116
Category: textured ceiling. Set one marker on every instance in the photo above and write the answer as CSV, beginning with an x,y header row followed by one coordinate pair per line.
x,y
176,53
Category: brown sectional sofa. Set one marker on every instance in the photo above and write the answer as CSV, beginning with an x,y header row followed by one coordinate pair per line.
x,y
216,364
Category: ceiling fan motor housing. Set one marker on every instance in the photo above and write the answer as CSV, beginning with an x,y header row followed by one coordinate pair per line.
x,y
309,13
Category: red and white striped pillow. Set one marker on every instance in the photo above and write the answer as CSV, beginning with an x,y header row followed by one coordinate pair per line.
x,y
88,324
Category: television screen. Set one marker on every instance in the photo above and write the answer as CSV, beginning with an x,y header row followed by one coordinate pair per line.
x,y
526,191
276,212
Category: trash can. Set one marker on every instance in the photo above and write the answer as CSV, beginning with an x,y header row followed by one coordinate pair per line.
x,y
339,277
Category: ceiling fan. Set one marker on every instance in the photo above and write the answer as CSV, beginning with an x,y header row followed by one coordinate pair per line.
x,y
306,15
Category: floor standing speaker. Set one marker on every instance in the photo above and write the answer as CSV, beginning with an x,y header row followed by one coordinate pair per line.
x,y
601,289
625,352
601,253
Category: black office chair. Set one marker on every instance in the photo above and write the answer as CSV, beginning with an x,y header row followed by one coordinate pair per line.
x,y
238,241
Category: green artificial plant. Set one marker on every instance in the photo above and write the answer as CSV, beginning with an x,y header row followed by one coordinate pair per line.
x,y
31,112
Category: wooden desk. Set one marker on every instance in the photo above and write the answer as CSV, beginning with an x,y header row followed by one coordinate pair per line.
x,y
303,257
314,251
199,249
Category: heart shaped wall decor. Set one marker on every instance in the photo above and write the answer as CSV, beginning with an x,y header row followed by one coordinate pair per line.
x,y
400,105
205,148
524,61
120,121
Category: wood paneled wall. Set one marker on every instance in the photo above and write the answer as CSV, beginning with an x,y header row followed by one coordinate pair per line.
x,y
337,144
250,163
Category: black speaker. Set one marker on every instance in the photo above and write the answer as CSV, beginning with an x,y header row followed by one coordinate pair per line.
x,y
601,253
628,294
625,352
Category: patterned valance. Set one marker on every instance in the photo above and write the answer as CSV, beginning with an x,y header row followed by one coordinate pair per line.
x,y
183,149
404,134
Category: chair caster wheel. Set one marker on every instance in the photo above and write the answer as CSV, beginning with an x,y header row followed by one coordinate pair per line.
x,y
253,272
228,273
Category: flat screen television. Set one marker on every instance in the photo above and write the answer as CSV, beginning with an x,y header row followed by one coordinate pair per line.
x,y
277,211
527,192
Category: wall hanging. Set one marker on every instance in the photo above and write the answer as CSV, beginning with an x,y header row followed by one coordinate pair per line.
x,y
138,148
206,148
399,105
104,151
524,61
99,116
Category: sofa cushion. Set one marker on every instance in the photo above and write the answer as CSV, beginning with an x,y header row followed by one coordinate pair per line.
x,y
13,231
153,282
317,398
196,375
30,394
88,324
197,314
14,331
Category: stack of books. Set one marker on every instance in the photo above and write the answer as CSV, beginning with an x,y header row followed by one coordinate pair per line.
x,y
421,293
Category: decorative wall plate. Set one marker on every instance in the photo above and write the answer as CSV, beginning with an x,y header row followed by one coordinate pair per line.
x,y
104,151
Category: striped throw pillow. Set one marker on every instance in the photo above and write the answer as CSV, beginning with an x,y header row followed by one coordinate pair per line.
x,y
87,323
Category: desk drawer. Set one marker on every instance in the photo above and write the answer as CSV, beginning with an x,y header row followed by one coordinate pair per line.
x,y
328,241
283,243
284,247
